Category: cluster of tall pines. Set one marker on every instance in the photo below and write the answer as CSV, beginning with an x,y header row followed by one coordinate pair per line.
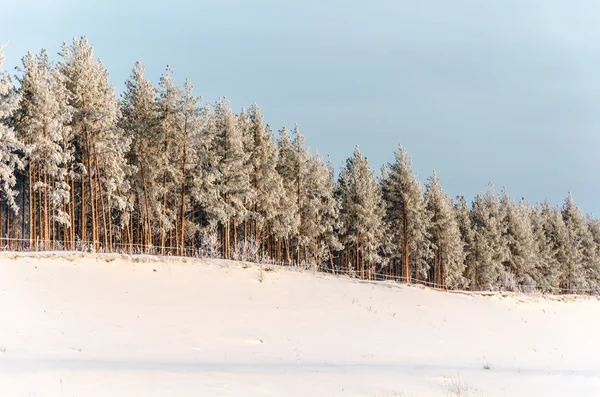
x,y
159,170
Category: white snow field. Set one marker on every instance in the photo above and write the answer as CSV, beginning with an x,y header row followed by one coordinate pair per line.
x,y
88,325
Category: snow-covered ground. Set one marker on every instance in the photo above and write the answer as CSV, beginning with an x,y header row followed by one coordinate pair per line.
x,y
109,325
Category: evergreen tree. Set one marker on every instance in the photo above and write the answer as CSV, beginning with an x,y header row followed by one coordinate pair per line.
x,y
291,164
361,215
578,248
42,126
100,145
266,182
593,265
9,145
547,267
519,268
234,179
405,217
463,220
139,119
319,211
488,249
171,151
444,237
189,124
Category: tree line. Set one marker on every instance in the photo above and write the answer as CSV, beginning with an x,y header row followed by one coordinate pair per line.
x,y
159,170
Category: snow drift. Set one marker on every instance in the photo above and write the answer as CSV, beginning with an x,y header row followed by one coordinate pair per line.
x,y
97,325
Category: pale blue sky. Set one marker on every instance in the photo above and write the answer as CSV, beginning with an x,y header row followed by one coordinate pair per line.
x,y
502,91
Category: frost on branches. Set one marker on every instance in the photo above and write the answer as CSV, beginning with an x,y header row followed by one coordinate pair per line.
x,y
161,170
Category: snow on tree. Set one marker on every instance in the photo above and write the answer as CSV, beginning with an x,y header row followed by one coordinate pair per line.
x,y
266,182
328,210
578,248
549,236
405,217
293,157
463,220
170,156
9,159
361,215
318,212
160,168
42,125
285,222
488,250
101,146
593,265
444,235
139,119
546,265
234,179
519,267
190,122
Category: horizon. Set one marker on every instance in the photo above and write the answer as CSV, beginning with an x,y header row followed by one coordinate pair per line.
x,y
537,83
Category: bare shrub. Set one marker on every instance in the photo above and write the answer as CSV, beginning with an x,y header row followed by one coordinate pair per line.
x,y
210,246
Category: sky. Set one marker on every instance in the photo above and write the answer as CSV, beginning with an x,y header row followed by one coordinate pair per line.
x,y
506,92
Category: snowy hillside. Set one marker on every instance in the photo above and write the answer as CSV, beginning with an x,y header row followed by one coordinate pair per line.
x,y
90,326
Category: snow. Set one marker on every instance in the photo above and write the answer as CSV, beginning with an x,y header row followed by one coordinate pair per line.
x,y
110,325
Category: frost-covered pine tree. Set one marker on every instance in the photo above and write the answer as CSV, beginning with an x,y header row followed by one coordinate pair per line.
x,y
208,205
9,145
361,215
593,266
488,250
190,121
292,166
42,126
319,212
444,236
266,182
519,268
285,224
300,168
234,179
463,220
578,249
139,119
405,217
547,236
170,146
101,146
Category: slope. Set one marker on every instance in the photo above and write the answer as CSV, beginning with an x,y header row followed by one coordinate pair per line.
x,y
98,325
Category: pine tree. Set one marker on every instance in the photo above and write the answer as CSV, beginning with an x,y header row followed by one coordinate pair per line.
x,y
234,179
361,215
292,158
463,219
444,237
42,125
301,166
546,239
9,145
405,217
593,265
190,120
519,268
328,211
488,249
578,248
266,182
205,176
167,100
139,119
100,146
